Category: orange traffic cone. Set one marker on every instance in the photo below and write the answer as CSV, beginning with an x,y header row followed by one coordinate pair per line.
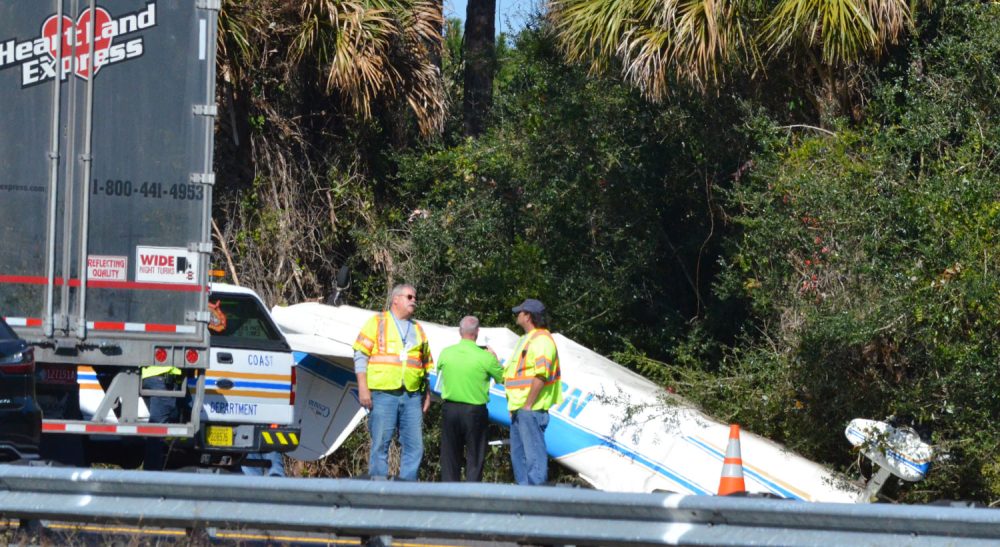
x,y
732,467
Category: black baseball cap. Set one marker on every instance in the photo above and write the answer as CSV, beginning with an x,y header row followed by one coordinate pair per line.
x,y
531,306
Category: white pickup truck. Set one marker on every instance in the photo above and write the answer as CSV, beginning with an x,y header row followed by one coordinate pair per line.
x,y
248,401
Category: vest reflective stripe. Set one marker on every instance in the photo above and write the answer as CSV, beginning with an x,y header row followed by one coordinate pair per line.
x,y
521,351
380,333
522,383
420,333
548,364
393,360
363,340
416,362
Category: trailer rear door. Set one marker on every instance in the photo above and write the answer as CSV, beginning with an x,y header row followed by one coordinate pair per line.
x,y
105,176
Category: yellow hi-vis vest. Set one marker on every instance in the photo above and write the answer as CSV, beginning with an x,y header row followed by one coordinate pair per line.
x,y
534,356
382,342
149,372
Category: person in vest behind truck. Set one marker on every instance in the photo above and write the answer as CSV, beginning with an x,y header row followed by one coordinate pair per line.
x,y
464,372
391,360
532,381
162,410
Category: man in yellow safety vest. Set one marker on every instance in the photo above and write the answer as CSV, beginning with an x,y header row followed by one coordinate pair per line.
x,y
162,410
532,382
391,360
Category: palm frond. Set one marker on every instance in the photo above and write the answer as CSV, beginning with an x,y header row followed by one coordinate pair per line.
x,y
843,30
655,41
590,30
375,49
240,26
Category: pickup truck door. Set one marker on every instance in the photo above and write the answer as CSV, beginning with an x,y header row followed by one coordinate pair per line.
x,y
249,379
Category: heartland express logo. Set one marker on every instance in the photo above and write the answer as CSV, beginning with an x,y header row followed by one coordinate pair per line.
x,y
38,57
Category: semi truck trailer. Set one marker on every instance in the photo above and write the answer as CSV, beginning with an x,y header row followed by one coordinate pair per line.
x,y
108,116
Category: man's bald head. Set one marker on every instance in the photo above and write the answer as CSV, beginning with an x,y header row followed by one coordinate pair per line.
x,y
468,328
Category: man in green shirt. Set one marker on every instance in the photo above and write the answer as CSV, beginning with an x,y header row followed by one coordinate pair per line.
x,y
464,371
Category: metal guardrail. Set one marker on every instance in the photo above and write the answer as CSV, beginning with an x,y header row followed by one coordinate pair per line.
x,y
474,511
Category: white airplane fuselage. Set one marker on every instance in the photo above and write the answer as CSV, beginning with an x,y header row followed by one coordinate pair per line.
x,y
617,430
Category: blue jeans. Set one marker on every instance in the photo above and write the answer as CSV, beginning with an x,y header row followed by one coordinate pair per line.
x,y
527,446
276,469
391,411
162,410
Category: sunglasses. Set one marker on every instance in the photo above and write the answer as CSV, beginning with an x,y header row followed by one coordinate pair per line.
x,y
409,296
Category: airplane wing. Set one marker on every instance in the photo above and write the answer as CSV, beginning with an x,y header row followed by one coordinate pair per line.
x,y
326,390
617,429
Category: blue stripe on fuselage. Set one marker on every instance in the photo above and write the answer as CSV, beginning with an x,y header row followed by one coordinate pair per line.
x,y
770,484
563,438
324,369
921,468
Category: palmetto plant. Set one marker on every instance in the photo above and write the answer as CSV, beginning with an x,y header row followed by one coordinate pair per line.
x,y
656,42
842,30
240,27
366,50
311,91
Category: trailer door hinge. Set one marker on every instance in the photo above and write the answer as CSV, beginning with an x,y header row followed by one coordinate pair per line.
x,y
60,322
198,316
205,110
203,178
203,247
214,5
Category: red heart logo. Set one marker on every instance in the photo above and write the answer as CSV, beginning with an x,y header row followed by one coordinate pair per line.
x,y
76,48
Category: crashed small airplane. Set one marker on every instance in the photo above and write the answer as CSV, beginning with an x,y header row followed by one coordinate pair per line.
x,y
616,429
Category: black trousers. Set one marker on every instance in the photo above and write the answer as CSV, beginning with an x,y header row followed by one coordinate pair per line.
x,y
463,432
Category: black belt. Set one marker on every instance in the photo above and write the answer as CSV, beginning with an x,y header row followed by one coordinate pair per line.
x,y
447,402
397,391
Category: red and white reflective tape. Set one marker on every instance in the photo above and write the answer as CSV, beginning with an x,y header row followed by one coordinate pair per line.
x,y
114,429
122,285
23,321
139,327
109,325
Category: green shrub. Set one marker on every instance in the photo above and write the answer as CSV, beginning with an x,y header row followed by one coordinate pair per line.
x,y
871,263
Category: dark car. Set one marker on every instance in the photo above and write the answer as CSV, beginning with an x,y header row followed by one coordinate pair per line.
x,y
20,415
